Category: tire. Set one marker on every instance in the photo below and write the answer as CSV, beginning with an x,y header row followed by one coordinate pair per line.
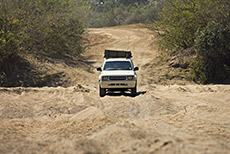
x,y
134,91
102,91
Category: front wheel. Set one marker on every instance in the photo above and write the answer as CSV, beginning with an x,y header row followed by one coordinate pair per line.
x,y
102,91
134,91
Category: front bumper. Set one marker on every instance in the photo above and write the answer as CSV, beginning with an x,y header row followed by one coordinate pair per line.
x,y
118,84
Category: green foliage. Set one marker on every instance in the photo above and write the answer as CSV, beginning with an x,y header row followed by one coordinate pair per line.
x,y
181,19
202,25
9,31
42,27
112,13
213,53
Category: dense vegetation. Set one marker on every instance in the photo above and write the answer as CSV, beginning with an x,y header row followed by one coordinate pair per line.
x,y
121,12
51,27
200,28
47,28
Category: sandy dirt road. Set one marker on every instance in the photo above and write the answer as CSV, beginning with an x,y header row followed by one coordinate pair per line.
x,y
160,119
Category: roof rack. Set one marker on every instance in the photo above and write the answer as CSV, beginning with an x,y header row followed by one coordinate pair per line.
x,y
117,54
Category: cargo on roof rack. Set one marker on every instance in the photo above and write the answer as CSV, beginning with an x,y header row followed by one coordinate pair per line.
x,y
117,54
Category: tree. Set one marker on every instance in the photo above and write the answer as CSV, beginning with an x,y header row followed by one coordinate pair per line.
x,y
212,63
10,39
202,26
51,28
38,28
120,12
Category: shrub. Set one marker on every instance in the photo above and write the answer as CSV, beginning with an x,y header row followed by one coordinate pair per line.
x,y
50,28
112,13
202,25
213,53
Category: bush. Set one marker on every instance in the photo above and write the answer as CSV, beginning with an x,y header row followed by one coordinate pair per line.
x,y
202,25
180,20
112,13
10,39
50,28
41,29
213,53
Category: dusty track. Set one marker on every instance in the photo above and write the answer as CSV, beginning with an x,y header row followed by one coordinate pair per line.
x,y
161,119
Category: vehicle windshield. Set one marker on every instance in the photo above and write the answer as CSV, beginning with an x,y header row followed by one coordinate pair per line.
x,y
117,65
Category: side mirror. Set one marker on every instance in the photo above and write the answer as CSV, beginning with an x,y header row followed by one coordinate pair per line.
x,y
136,68
99,69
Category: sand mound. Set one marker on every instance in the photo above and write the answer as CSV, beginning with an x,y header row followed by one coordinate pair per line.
x,y
81,124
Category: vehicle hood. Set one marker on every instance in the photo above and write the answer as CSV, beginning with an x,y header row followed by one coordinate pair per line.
x,y
117,73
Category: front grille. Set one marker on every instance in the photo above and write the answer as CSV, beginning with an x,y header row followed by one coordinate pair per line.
x,y
120,78
117,84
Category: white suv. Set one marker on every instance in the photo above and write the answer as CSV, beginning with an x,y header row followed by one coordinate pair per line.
x,y
117,73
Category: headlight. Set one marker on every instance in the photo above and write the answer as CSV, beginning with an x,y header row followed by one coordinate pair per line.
x,y
105,78
130,77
